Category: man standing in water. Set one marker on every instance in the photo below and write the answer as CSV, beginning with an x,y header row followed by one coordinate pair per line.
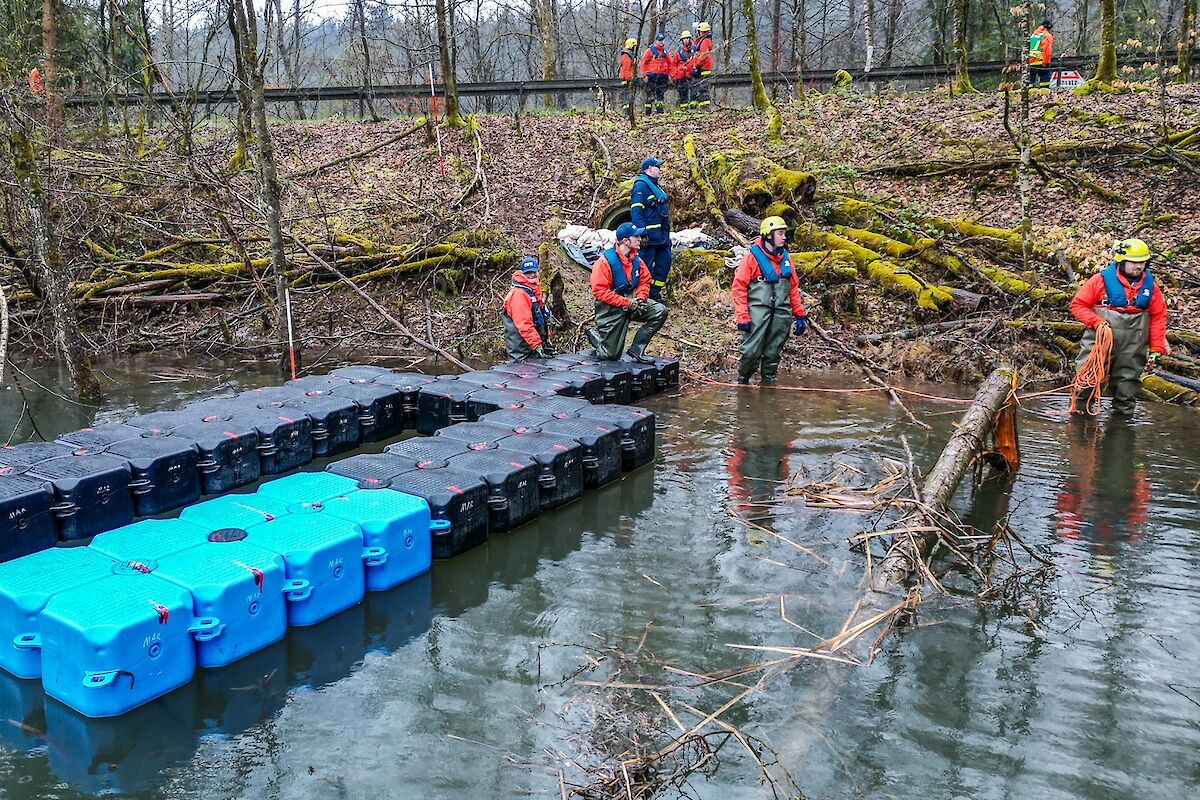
x,y
621,286
1124,298
766,302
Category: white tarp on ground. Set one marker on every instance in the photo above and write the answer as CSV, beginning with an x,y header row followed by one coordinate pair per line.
x,y
584,244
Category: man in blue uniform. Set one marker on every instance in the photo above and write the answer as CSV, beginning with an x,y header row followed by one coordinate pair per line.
x,y
650,209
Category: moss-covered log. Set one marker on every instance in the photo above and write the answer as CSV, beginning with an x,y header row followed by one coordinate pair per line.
x,y
885,272
1157,388
902,243
754,182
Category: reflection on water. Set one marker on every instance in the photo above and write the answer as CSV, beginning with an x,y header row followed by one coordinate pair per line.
x,y
426,691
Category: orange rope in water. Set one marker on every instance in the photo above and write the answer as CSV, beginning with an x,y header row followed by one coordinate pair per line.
x,y
1093,373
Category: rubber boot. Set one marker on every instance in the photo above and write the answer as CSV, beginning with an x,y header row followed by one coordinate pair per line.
x,y
593,337
641,340
743,381
637,352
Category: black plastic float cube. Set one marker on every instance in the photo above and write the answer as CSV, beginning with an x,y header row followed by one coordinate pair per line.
x,y
228,453
380,407
26,522
91,492
456,496
601,447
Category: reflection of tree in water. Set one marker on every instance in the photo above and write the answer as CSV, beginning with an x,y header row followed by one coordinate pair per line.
x,y
1105,499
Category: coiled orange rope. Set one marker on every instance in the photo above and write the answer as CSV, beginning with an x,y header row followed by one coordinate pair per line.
x,y
1093,373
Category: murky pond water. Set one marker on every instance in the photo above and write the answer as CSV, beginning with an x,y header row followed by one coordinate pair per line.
x,y
442,688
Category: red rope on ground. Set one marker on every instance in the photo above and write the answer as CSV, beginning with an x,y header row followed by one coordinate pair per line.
x,y
1093,373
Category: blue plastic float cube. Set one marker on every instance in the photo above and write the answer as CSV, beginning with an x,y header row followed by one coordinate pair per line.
x,y
240,585
395,523
308,487
117,643
149,539
234,511
325,560
26,586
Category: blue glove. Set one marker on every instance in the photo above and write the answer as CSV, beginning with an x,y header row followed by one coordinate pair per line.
x,y
801,325
744,327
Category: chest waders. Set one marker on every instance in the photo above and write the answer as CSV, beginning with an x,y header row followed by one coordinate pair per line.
x,y
519,349
770,323
612,322
1131,346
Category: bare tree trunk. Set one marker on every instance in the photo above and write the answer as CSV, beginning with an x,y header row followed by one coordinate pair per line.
x,y
889,39
1106,70
294,63
544,17
241,72
52,279
869,35
105,64
55,111
776,34
360,11
247,27
453,115
1026,154
758,92
1082,9
1187,40
962,78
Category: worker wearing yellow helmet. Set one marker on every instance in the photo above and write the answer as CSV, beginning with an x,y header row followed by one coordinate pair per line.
x,y
766,302
628,71
1125,298
702,66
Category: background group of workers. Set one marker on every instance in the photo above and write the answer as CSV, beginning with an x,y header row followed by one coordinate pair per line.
x,y
688,68
629,282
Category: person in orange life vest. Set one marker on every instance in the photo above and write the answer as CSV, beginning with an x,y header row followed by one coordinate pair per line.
x,y
628,71
702,66
681,69
621,286
656,70
1125,297
526,317
766,302
37,86
1041,48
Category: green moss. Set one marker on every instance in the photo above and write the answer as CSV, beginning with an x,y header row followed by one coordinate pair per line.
x,y
1050,114
775,125
842,80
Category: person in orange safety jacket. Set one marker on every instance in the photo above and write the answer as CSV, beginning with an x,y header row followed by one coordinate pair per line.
x,y
656,70
526,317
1125,297
621,286
1041,49
681,69
702,67
628,71
766,302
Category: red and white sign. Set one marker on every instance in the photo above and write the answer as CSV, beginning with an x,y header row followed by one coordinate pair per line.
x,y
1067,79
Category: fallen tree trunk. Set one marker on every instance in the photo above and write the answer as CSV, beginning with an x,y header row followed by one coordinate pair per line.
x,y
909,548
